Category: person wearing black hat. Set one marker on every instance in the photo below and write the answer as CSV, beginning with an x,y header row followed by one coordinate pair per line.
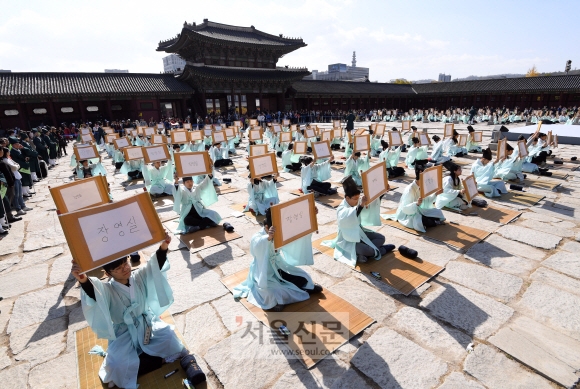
x,y
290,161
41,147
417,155
219,156
20,167
353,242
414,211
275,278
453,149
355,165
191,204
472,145
350,121
46,137
32,155
483,171
391,157
313,176
453,191
438,149
511,168
262,194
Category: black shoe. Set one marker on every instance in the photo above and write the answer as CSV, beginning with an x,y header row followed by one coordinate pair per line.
x,y
3,233
195,375
317,289
14,219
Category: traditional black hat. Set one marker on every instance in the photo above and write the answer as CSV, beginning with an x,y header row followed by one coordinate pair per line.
x,y
13,140
521,137
436,138
413,128
415,139
349,186
187,178
394,129
487,154
384,144
508,147
470,129
451,166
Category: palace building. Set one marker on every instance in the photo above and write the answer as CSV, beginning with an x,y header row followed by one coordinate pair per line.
x,y
229,68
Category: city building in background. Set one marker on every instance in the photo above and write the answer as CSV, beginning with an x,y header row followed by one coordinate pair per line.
x,y
173,64
444,77
341,72
116,71
5,71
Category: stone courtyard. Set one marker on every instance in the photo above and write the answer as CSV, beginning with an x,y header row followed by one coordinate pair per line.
x,y
515,296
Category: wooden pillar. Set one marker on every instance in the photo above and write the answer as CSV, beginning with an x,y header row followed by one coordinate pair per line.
x,y
22,115
184,112
52,113
82,110
110,111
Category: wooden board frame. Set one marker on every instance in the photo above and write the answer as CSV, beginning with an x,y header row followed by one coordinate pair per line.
x,y
218,137
230,132
381,167
253,122
501,150
309,133
555,141
163,147
470,195
156,137
187,126
368,140
119,140
285,137
462,141
360,131
405,125
392,142
110,137
300,147
326,135
195,135
252,134
327,155
86,138
276,128
85,130
126,152
149,131
550,138
254,150
277,219
380,129
98,182
76,241
293,127
336,123
179,163
237,123
108,130
286,122
423,136
252,160
336,132
478,136
174,135
92,147
438,168
522,148
448,130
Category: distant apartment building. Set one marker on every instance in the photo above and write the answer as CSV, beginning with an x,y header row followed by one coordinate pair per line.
x,y
341,72
173,64
116,71
444,77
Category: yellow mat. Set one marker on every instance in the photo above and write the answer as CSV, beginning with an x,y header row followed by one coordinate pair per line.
x,y
325,339
330,200
560,175
401,273
540,183
520,198
241,207
491,213
220,190
88,365
205,238
456,235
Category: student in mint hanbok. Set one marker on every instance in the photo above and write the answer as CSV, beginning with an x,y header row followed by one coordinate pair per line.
x,y
219,156
437,156
314,174
290,161
453,191
472,146
354,242
376,147
118,159
133,169
454,150
355,165
274,279
86,169
392,158
191,204
262,194
122,309
158,179
417,155
483,171
414,211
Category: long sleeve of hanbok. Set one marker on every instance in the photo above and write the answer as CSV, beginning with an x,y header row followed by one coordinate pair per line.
x,y
321,171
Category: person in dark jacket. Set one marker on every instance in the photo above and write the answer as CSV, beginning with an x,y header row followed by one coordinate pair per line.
x,y
51,148
41,147
32,155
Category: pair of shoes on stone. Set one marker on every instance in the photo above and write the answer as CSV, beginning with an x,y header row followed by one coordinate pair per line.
x,y
20,212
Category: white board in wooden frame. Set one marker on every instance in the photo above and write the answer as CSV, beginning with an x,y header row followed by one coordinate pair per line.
x,y
470,186
149,131
321,149
501,150
300,147
431,180
218,137
80,194
134,133
108,130
133,152
89,152
326,135
105,233
158,139
424,139
121,142
375,181
462,140
256,150
478,136
294,219
160,126
380,129
448,130
110,137
187,126
336,133
285,137
255,134
309,133
362,143
195,135
207,132
192,163
230,132
395,138
263,165
179,137
360,131
253,122
336,123
156,153
85,130
86,138
276,128
293,127
405,125
522,148
285,122
237,123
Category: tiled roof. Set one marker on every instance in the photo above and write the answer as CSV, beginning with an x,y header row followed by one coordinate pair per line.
x,y
66,84
225,32
317,87
234,73
504,85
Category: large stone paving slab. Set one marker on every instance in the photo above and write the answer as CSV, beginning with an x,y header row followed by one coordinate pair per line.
x,y
496,371
476,314
554,355
40,342
55,374
553,307
365,297
46,238
22,281
556,280
32,308
459,381
39,256
550,228
534,238
232,313
195,288
60,270
481,279
443,340
11,242
15,377
203,329
393,361
565,262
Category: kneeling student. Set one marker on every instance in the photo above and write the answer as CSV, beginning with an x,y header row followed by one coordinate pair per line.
x,y
191,205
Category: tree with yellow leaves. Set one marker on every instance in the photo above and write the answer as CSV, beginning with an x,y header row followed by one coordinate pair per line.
x,y
532,72
401,81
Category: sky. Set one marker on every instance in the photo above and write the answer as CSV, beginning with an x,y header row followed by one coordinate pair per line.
x,y
412,39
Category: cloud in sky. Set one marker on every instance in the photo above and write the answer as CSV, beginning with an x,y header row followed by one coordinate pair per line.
x,y
411,39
